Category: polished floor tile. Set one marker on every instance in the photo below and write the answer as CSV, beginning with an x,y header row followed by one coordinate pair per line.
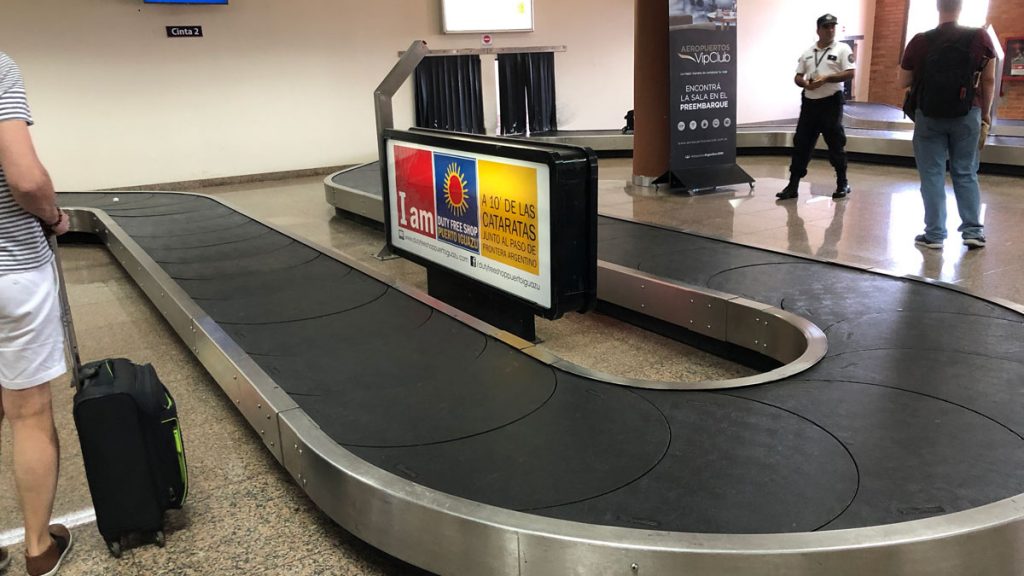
x,y
875,226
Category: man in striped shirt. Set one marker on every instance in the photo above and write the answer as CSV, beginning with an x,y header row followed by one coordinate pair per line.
x,y
31,336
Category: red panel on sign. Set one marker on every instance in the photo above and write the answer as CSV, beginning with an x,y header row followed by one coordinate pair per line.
x,y
414,179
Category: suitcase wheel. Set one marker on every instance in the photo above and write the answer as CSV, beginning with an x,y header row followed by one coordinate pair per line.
x,y
159,538
115,548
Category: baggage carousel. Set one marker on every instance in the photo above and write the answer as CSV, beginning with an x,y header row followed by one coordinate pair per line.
x,y
875,132
894,448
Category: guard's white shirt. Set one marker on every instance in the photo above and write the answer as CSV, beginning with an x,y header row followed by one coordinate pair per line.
x,y
820,62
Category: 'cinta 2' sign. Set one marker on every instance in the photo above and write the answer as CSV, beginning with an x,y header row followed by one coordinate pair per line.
x,y
184,31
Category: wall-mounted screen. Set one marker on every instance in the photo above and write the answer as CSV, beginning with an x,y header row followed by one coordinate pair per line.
x,y
185,1
468,16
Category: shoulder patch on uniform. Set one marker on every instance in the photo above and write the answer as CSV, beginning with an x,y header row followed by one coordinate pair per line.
x,y
851,58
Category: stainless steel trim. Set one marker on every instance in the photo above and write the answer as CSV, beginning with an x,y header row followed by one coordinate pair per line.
x,y
891,143
1005,129
255,394
1008,304
352,200
366,205
692,309
261,400
383,110
440,533
897,142
593,141
794,341
644,181
172,302
699,310
1006,155
450,535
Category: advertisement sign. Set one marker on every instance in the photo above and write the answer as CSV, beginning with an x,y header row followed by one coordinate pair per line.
x,y
1013,66
702,99
485,217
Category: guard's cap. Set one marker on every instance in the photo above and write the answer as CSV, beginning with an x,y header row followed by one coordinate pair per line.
x,y
827,20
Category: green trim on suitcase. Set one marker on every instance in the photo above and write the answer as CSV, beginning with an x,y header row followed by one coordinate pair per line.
x,y
179,447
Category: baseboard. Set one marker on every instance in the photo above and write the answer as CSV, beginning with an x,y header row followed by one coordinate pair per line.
x,y
194,185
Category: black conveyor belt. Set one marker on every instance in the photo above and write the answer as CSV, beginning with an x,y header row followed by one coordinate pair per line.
x,y
916,411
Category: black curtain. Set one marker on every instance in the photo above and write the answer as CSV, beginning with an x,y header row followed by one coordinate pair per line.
x,y
526,83
540,91
511,94
449,94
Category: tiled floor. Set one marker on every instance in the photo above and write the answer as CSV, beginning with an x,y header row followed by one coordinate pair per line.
x,y
245,515
875,227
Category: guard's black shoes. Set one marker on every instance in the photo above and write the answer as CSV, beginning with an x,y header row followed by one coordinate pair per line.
x,y
790,191
841,192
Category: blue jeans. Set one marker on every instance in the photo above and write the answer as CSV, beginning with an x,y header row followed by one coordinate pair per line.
x,y
935,140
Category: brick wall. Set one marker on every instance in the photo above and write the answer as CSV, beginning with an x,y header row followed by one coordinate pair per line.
x,y
890,24
887,47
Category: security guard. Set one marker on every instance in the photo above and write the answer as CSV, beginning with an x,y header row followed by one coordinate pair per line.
x,y
821,72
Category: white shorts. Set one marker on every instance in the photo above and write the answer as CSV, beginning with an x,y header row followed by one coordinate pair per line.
x,y
31,334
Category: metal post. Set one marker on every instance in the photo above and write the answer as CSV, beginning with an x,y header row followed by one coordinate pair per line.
x,y
389,87
386,115
997,88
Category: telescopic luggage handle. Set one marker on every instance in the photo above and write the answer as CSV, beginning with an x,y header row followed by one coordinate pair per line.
x,y
70,341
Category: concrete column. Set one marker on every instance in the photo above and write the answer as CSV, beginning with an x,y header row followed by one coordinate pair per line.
x,y
650,91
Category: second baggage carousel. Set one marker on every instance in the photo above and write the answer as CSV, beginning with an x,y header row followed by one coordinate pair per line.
x,y
875,132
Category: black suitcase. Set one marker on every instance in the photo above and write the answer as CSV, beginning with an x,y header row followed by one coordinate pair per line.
x,y
132,448
131,442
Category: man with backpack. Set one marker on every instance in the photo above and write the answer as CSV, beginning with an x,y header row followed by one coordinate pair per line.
x,y
951,73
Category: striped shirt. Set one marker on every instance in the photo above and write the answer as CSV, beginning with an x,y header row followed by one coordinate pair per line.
x,y
23,246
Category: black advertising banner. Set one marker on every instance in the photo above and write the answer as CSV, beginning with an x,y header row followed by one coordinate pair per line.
x,y
184,31
702,94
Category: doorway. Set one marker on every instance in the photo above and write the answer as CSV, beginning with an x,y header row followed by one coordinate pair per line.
x,y
922,16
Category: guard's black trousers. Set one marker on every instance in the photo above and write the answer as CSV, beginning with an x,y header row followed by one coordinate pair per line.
x,y
820,117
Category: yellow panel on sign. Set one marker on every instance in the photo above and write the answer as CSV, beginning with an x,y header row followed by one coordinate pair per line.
x,y
508,215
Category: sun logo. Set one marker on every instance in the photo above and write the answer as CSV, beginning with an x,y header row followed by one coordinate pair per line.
x,y
455,190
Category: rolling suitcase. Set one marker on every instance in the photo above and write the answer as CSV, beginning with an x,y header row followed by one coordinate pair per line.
x,y
131,442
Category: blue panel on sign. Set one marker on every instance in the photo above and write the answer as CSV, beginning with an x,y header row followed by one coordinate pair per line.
x,y
455,186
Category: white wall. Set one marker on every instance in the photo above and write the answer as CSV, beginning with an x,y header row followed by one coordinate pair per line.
x,y
284,85
773,34
274,85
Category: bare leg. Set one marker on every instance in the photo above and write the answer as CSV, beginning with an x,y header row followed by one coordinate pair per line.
x,y
36,460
